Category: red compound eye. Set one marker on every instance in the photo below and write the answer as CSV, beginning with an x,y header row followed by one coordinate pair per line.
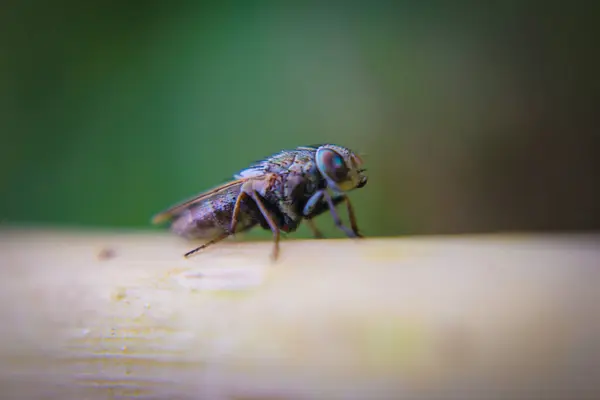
x,y
332,165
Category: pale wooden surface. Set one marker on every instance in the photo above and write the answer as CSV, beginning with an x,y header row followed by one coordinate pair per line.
x,y
108,315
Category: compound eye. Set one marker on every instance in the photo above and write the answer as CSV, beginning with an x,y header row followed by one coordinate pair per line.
x,y
332,165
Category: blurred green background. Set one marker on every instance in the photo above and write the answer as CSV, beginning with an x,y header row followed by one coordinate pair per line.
x,y
472,118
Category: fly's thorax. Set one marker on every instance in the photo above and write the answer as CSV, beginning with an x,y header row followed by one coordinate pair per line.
x,y
284,196
286,161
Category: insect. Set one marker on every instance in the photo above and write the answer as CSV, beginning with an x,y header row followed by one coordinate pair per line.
x,y
277,193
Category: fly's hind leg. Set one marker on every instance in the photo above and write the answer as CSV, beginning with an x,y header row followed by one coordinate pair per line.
x,y
232,227
205,245
269,219
248,190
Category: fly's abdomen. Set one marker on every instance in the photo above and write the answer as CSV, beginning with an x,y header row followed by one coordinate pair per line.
x,y
212,217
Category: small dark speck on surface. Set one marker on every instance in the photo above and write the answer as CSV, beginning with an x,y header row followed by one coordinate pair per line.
x,y
106,253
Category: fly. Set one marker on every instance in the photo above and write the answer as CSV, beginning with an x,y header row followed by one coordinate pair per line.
x,y
277,193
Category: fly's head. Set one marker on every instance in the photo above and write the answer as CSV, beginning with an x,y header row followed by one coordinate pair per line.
x,y
341,167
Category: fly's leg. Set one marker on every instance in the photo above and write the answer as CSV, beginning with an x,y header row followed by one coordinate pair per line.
x,y
312,203
205,245
236,211
352,218
313,227
336,218
270,221
308,210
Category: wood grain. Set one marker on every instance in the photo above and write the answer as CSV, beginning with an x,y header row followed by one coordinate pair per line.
x,y
97,315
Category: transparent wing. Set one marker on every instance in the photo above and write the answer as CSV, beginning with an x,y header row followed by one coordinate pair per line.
x,y
178,208
255,171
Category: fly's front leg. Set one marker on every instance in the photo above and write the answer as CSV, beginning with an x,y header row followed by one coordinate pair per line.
x,y
352,218
312,203
308,210
336,218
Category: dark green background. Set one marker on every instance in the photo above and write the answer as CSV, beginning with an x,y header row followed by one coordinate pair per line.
x,y
472,118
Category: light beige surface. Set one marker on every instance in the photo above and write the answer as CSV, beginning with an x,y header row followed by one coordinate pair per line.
x,y
106,315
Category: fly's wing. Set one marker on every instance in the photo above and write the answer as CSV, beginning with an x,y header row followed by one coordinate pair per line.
x,y
255,171
177,209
